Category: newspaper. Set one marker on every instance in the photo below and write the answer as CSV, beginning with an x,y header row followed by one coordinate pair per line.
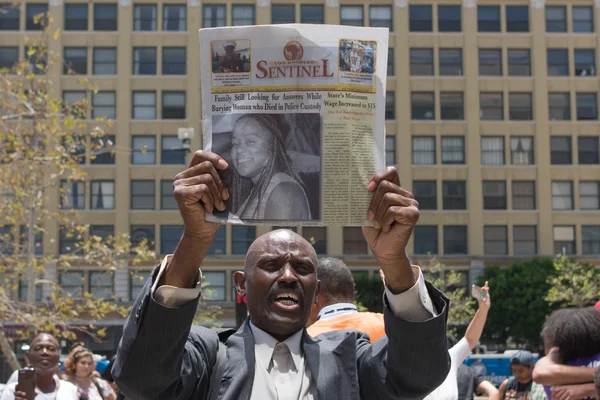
x,y
298,112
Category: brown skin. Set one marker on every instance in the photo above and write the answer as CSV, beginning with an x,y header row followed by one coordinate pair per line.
x,y
43,356
199,189
522,374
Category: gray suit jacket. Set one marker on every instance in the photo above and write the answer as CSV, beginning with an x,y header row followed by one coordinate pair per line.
x,y
162,356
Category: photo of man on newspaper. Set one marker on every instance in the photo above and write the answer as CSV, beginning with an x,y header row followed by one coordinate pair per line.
x,y
230,56
274,165
358,55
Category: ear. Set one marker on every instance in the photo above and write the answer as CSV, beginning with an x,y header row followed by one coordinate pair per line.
x,y
239,279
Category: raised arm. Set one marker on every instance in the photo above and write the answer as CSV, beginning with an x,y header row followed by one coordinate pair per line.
x,y
475,328
550,371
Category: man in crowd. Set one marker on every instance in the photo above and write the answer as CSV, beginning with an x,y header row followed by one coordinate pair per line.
x,y
271,357
519,386
335,309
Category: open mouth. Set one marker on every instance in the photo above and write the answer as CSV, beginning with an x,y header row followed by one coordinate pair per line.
x,y
288,300
244,160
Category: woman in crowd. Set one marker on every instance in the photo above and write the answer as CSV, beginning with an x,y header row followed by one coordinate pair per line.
x,y
265,183
80,368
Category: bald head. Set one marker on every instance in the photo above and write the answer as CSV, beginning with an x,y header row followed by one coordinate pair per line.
x,y
280,241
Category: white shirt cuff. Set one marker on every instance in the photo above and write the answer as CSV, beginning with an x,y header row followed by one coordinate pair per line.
x,y
171,296
413,305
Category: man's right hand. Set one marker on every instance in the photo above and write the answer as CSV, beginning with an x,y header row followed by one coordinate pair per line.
x,y
199,189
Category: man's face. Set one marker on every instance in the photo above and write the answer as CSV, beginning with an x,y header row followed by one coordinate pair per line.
x,y
521,373
280,282
43,354
250,147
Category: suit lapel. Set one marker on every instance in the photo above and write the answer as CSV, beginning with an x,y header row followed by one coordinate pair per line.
x,y
239,371
313,359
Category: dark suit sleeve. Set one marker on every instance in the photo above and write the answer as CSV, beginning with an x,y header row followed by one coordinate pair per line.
x,y
161,356
412,361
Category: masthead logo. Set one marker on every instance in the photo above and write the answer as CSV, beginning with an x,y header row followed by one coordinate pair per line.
x,y
293,51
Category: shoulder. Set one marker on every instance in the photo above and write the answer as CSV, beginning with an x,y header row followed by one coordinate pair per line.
x,y
67,387
286,189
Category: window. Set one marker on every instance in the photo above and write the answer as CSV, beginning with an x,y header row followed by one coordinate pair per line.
x,y
142,195
583,19
517,18
390,150
589,195
455,239
144,150
490,62
559,105
492,150
72,195
101,284
174,17
171,150
453,150
215,286
351,15
76,17
562,195
137,281
169,238
34,21
144,105
167,200
71,283
9,57
519,62
24,287
75,59
564,239
585,62
425,193
140,233
241,238
144,60
317,236
10,17
38,61
488,18
449,18
556,19
354,241
558,62
494,195
68,240
103,195
520,107
174,61
283,13
104,104
491,106
105,17
524,240
560,150
590,239
523,195
390,105
104,149
312,14
422,105
452,106
75,103
420,18
102,231
242,14
214,15
587,106
495,240
588,147
421,62
390,62
423,150
454,195
7,239
144,17
173,105
426,239
105,61
381,16
450,62
521,150
219,243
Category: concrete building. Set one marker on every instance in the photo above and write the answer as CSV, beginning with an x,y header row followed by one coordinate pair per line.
x,y
491,108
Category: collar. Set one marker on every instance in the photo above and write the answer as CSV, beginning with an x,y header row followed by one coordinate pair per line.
x,y
336,310
264,344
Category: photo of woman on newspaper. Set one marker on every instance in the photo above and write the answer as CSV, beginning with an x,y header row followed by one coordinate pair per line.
x,y
274,163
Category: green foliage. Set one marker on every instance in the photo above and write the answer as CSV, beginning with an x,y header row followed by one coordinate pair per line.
x,y
519,301
575,284
369,293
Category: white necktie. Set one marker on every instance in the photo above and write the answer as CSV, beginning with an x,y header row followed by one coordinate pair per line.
x,y
283,369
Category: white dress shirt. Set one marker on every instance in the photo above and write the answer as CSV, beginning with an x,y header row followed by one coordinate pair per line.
x,y
281,372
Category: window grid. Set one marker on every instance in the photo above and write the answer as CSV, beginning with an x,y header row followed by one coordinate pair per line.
x,y
423,150
521,150
589,195
454,195
589,149
421,62
453,150
495,239
354,242
523,195
494,195
142,195
562,195
492,150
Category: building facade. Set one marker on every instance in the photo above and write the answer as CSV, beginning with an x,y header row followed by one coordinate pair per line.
x,y
491,109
